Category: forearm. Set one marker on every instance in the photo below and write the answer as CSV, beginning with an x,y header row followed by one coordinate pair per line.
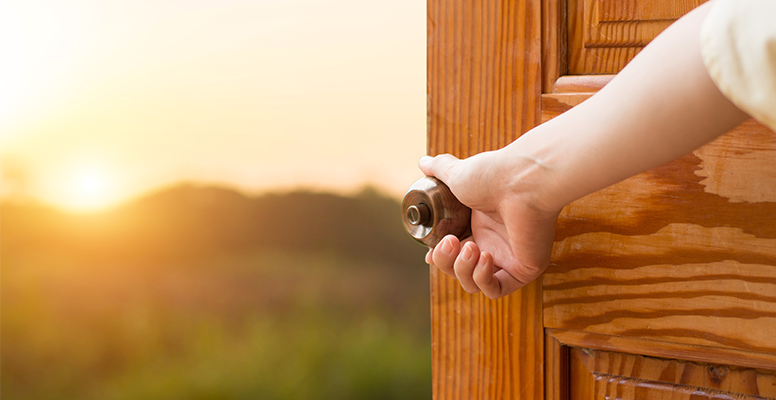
x,y
661,106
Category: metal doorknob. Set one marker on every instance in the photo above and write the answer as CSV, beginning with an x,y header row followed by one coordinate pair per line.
x,y
430,212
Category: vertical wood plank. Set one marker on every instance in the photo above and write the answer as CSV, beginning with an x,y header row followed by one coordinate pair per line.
x,y
483,76
554,43
483,87
582,384
556,371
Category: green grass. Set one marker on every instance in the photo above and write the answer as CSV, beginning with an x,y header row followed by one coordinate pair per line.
x,y
251,326
298,360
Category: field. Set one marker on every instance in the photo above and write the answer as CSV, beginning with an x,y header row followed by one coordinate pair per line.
x,y
205,293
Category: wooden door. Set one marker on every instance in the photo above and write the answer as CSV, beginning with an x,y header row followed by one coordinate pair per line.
x,y
673,295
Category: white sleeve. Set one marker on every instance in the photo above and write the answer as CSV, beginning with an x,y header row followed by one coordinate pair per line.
x,y
738,46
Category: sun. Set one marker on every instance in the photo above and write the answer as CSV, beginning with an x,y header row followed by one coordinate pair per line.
x,y
90,190
90,184
80,186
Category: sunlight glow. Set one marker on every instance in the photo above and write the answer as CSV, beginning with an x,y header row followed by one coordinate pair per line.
x,y
90,184
88,190
255,95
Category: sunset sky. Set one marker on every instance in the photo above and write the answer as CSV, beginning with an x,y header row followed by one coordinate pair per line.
x,y
101,101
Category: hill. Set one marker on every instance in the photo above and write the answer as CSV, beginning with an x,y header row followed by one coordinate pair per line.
x,y
187,221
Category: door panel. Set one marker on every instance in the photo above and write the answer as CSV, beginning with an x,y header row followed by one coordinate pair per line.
x,y
604,35
689,256
483,92
596,374
641,10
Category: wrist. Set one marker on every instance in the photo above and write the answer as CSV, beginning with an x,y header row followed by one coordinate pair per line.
x,y
529,175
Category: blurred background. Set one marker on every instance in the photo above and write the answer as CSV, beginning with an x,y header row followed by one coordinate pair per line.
x,y
200,200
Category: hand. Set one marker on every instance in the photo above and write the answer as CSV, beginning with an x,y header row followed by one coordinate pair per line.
x,y
646,116
511,237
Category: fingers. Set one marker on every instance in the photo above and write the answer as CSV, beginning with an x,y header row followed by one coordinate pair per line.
x,y
444,254
474,269
464,266
439,166
484,276
494,283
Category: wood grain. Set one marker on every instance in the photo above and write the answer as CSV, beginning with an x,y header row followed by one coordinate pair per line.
x,y
727,183
715,376
483,73
587,84
581,380
606,60
554,42
689,256
556,371
484,86
675,262
657,348
643,10
721,303
604,35
485,349
627,376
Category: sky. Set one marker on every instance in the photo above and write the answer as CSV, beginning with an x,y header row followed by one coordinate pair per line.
x,y
102,101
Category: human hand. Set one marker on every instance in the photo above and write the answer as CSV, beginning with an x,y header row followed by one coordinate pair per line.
x,y
511,235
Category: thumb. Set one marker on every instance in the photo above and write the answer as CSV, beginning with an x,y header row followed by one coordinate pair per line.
x,y
440,166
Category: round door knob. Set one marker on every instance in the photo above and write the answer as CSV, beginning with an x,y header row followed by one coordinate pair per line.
x,y
430,212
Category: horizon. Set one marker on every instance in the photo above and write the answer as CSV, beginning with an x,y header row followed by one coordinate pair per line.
x,y
104,103
151,192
